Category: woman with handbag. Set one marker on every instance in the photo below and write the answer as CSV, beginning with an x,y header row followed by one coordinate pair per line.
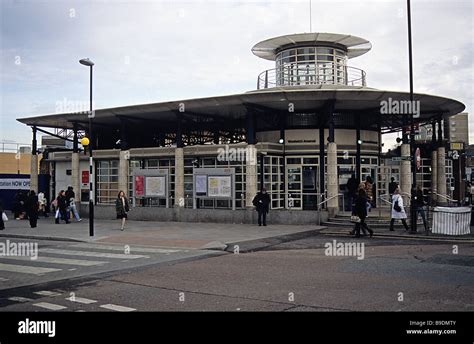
x,y
122,208
398,210
360,211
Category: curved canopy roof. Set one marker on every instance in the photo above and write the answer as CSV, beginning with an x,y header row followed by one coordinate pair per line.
x,y
355,46
225,108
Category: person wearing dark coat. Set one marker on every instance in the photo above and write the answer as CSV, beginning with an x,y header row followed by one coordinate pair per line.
x,y
360,209
262,204
392,186
62,207
352,190
122,208
420,206
32,208
2,224
17,205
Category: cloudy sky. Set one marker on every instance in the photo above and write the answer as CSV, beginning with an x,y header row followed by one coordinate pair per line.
x,y
150,51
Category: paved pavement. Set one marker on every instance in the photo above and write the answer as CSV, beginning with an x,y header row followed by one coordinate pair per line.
x,y
43,261
395,275
167,234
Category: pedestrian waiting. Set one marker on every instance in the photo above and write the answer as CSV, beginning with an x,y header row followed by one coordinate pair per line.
x,y
262,204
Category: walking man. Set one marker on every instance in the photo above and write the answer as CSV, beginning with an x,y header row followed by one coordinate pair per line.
x,y
71,198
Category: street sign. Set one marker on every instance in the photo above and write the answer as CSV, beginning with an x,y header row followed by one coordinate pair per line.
x,y
457,145
401,158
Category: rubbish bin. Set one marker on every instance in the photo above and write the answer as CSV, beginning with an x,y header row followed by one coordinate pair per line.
x,y
451,220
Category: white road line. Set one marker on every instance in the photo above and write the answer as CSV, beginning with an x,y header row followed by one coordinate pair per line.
x,y
92,254
46,293
3,279
19,299
118,308
50,306
26,269
81,300
57,260
133,249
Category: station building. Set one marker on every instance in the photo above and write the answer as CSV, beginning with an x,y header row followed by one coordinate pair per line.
x,y
311,123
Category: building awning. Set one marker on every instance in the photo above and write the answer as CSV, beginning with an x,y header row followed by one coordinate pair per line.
x,y
234,107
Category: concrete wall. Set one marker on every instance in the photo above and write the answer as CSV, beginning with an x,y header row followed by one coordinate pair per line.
x,y
63,180
248,216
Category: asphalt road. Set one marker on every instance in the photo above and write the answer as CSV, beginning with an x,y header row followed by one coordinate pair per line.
x,y
390,275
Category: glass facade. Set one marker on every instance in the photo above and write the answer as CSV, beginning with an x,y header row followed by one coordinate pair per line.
x,y
107,181
311,66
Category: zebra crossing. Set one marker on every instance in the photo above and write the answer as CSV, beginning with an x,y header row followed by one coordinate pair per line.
x,y
46,300
64,260
56,259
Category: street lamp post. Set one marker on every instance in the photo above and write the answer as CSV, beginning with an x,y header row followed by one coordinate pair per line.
x,y
90,64
413,210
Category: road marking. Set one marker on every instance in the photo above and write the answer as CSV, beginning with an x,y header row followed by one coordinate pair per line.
x,y
80,300
92,254
118,308
133,249
47,293
50,306
26,269
57,260
3,279
19,299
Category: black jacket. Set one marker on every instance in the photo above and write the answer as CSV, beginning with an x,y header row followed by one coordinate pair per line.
x,y
62,203
360,207
352,186
31,205
419,201
121,210
392,186
70,194
262,202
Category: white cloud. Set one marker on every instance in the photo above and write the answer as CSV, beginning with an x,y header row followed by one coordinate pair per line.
x,y
161,50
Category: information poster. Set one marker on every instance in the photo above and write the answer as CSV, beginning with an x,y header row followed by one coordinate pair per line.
x,y
155,186
139,186
220,186
201,184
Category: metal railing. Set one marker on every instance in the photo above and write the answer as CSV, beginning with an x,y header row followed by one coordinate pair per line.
x,y
446,197
299,75
318,206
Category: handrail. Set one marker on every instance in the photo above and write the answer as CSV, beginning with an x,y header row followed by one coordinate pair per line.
x,y
296,74
385,201
444,196
327,199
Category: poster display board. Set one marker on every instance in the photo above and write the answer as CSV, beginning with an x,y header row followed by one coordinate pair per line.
x,y
201,184
139,186
155,186
214,183
220,186
150,183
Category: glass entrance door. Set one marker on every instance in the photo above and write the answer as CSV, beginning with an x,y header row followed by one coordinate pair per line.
x,y
294,187
310,182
